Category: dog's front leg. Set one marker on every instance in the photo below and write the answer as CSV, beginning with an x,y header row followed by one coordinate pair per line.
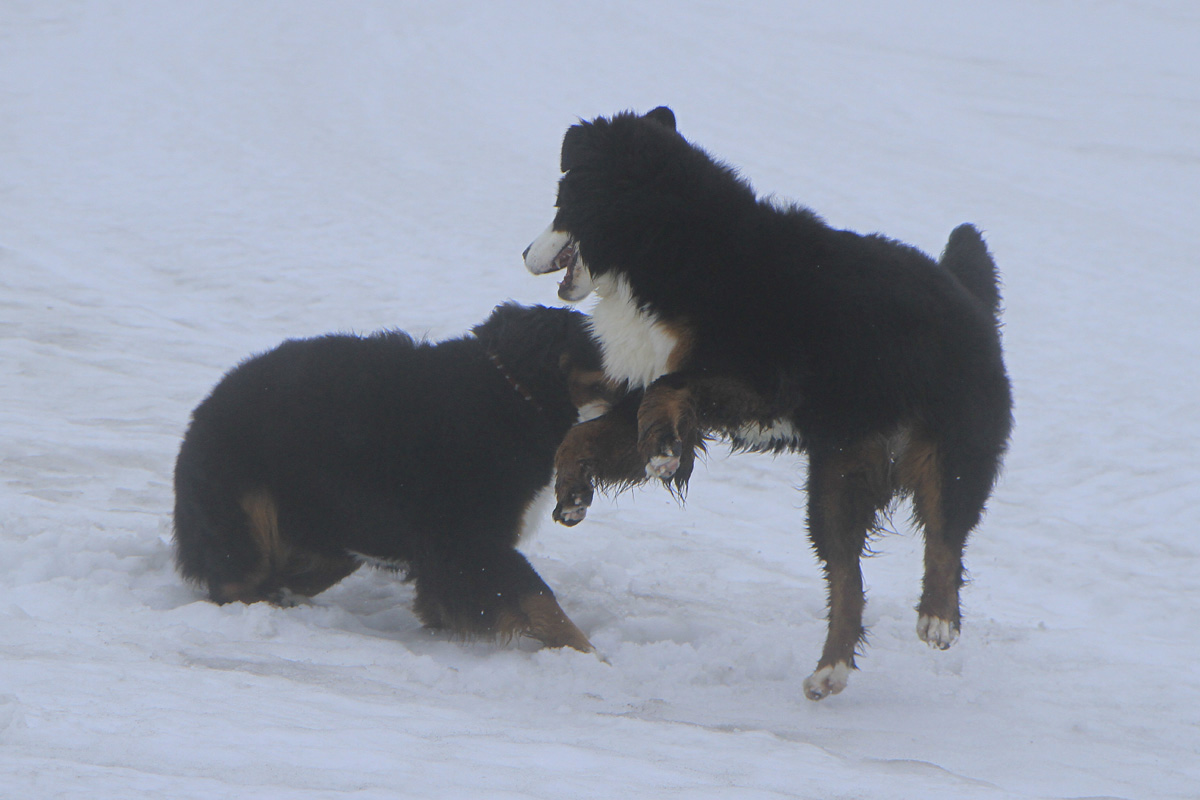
x,y
600,452
679,409
574,467
668,433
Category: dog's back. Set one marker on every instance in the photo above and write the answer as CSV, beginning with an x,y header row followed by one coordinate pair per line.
x,y
282,435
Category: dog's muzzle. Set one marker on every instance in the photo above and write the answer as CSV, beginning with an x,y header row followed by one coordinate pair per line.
x,y
557,250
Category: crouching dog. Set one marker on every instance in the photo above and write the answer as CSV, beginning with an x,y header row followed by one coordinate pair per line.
x,y
323,453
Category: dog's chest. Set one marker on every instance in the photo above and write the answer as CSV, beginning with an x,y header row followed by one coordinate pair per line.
x,y
637,346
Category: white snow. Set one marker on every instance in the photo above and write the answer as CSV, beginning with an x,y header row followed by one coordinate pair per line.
x,y
184,184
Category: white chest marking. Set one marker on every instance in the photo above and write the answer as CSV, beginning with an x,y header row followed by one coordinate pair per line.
x,y
535,514
636,345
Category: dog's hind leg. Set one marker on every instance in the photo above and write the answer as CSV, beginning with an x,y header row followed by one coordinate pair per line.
x,y
938,615
268,566
248,577
948,499
846,490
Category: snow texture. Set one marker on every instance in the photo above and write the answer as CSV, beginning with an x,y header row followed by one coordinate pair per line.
x,y
185,184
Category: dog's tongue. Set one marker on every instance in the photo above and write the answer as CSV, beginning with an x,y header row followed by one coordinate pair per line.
x,y
576,284
572,267
566,259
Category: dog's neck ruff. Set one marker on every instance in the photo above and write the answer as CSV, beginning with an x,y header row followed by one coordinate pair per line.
x,y
636,345
514,383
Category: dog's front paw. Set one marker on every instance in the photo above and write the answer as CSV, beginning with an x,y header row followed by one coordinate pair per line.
x,y
571,510
574,496
662,452
662,466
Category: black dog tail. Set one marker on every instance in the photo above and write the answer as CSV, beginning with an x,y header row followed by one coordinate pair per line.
x,y
967,258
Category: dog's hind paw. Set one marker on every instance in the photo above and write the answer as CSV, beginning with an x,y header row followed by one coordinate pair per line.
x,y
937,632
826,681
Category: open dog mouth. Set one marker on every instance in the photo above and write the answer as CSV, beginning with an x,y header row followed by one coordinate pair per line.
x,y
567,258
558,250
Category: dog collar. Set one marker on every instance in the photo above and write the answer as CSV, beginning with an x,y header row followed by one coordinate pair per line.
x,y
517,387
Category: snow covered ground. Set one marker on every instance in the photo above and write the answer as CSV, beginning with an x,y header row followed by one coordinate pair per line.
x,y
183,184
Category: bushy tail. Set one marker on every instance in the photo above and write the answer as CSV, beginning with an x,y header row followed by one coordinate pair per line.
x,y
967,258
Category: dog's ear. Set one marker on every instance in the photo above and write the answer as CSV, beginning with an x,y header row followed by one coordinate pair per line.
x,y
663,116
577,146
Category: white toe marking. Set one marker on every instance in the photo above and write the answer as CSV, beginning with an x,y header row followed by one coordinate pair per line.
x,y
662,466
936,632
827,681
573,513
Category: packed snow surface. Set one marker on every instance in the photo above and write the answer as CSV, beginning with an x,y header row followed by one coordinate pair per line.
x,y
185,184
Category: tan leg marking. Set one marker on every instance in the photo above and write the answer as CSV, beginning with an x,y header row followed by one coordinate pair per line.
x,y
939,618
263,519
549,624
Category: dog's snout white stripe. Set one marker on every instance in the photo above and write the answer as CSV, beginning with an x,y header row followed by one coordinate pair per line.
x,y
539,256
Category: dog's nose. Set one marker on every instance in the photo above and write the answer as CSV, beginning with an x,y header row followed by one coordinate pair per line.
x,y
525,255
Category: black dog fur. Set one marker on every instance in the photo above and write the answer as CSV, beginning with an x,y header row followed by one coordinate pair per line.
x,y
882,364
424,455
